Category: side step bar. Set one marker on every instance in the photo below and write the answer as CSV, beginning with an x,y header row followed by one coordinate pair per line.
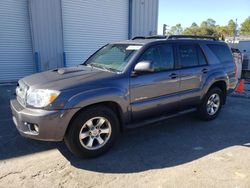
x,y
158,119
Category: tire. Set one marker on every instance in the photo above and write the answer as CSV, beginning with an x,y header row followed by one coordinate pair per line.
x,y
204,109
96,137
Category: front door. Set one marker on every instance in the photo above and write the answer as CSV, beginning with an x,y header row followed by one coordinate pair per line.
x,y
155,93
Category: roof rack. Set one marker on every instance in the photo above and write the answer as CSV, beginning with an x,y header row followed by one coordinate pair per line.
x,y
157,37
176,37
192,36
138,37
150,37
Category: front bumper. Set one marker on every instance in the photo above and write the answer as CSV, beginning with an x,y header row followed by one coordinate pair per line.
x,y
52,124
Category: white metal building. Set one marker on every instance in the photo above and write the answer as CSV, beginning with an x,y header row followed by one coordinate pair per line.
x,y
40,35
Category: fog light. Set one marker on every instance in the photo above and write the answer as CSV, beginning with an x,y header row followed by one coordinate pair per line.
x,y
32,127
36,127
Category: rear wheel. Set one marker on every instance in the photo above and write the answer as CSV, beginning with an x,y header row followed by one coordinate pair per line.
x,y
211,104
92,132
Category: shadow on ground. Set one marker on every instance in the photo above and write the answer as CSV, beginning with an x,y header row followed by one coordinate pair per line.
x,y
169,143
11,143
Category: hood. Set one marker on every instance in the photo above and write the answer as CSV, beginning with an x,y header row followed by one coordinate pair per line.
x,y
64,78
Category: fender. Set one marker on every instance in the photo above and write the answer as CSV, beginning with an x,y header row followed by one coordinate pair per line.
x,y
213,78
100,95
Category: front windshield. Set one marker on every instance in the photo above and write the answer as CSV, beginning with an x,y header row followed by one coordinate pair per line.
x,y
113,57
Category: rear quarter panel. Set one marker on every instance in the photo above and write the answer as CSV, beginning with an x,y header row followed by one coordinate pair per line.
x,y
219,71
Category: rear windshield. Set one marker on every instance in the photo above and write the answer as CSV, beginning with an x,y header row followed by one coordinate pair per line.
x,y
222,52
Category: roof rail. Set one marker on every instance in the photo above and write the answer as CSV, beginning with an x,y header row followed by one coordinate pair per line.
x,y
150,37
157,37
138,37
176,37
192,36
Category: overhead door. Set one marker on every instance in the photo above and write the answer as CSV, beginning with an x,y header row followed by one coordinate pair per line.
x,y
87,25
15,41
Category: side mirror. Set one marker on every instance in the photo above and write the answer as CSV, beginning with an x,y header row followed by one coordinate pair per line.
x,y
144,67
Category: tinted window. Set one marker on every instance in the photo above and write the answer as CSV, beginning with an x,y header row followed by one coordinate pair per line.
x,y
161,56
113,56
201,57
188,56
167,56
222,52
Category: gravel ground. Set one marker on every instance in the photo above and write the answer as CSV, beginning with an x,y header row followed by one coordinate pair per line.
x,y
180,152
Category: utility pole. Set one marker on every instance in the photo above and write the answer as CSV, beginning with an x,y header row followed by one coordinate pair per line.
x,y
235,31
165,29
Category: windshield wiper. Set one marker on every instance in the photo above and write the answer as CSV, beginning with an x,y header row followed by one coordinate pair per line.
x,y
112,69
103,67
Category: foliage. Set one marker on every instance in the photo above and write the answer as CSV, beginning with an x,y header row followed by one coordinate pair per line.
x,y
245,27
209,27
175,30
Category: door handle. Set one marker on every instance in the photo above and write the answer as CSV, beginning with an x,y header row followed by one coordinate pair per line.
x,y
204,71
173,76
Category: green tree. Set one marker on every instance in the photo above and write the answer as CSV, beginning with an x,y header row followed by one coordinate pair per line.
x,y
222,31
210,22
206,28
192,30
175,30
228,30
204,24
209,27
245,27
194,25
231,28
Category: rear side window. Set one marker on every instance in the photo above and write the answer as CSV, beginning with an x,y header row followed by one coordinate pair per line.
x,y
201,57
222,52
188,56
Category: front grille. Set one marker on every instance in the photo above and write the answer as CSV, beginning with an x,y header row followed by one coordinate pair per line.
x,y
21,92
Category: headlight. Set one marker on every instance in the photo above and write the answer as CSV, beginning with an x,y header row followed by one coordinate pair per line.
x,y
41,97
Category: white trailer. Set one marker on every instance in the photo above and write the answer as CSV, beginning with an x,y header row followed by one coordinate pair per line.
x,y
244,47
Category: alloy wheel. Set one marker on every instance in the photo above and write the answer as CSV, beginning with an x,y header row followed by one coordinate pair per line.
x,y
95,133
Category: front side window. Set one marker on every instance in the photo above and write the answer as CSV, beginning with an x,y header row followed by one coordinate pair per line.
x,y
188,56
113,57
161,56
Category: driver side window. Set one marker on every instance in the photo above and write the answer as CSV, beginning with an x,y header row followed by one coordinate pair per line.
x,y
161,56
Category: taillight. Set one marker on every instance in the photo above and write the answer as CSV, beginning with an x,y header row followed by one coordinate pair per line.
x,y
236,69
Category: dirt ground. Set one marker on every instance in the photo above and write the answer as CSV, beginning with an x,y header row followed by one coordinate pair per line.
x,y
180,152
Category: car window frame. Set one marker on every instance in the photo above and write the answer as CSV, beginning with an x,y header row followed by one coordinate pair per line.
x,y
216,55
197,46
155,45
203,53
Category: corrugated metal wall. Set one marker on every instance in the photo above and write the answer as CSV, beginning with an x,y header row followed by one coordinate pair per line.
x,y
78,27
87,25
144,17
46,25
16,59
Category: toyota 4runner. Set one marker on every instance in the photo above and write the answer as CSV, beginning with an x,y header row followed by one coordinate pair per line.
x,y
124,84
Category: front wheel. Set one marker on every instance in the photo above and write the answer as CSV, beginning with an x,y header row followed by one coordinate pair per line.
x,y
92,132
211,104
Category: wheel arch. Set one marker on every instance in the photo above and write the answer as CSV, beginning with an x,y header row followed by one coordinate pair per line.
x,y
221,84
114,106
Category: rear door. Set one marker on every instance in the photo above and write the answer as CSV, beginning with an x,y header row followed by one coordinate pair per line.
x,y
155,93
193,71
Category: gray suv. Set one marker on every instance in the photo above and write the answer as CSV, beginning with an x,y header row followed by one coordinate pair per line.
x,y
124,84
